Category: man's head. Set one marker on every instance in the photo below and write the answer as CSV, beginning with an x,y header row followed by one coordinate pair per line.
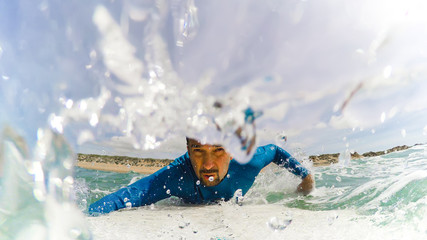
x,y
210,162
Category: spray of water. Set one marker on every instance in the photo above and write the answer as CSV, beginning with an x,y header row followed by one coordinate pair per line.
x,y
36,190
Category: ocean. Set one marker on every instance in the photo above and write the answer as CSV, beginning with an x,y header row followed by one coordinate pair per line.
x,y
369,198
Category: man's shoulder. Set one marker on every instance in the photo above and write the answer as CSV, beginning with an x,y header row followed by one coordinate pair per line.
x,y
182,160
269,148
263,155
179,165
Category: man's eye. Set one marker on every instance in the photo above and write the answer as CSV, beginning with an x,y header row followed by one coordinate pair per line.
x,y
197,150
219,150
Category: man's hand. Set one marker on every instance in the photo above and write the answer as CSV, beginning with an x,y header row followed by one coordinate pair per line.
x,y
307,185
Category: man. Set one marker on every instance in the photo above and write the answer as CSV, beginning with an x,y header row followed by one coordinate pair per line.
x,y
204,174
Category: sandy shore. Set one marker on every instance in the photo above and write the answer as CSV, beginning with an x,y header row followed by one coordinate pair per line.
x,y
120,163
111,167
148,165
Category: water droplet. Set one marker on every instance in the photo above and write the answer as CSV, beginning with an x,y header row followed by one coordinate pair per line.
x,y
56,123
403,132
128,205
164,186
69,103
83,105
188,24
168,191
331,218
383,117
278,224
228,175
338,178
183,224
94,120
198,182
387,71
92,54
168,167
211,178
238,197
125,199
75,233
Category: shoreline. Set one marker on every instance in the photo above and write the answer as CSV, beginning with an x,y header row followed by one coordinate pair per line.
x,y
125,164
332,158
120,164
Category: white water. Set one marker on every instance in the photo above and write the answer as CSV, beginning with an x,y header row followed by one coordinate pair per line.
x,y
241,222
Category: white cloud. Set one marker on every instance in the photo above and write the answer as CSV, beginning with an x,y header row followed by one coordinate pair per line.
x,y
277,112
320,125
343,122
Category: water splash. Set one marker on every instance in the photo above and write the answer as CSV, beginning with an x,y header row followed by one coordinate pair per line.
x,y
142,103
186,21
36,198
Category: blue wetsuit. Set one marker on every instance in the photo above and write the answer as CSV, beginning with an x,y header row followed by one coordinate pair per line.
x,y
179,179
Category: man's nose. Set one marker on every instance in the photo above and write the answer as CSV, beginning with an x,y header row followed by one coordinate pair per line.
x,y
208,162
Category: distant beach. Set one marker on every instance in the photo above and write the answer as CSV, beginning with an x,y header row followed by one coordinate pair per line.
x,y
121,163
150,165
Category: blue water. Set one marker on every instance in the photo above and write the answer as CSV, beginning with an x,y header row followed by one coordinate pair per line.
x,y
91,185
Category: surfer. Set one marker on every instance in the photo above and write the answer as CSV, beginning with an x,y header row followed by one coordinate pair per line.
x,y
205,173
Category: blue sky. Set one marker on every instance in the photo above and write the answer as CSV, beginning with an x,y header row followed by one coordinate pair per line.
x,y
130,75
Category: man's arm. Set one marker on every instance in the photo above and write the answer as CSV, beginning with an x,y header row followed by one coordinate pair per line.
x,y
143,192
283,158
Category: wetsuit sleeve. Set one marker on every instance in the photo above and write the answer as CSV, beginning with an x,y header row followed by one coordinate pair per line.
x,y
145,191
283,158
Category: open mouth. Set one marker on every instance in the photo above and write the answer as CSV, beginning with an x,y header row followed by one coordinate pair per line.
x,y
210,177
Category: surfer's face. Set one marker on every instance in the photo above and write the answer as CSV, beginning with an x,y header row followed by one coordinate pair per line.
x,y
210,162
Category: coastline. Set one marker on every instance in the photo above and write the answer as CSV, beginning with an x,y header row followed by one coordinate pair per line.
x,y
120,164
332,158
124,164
